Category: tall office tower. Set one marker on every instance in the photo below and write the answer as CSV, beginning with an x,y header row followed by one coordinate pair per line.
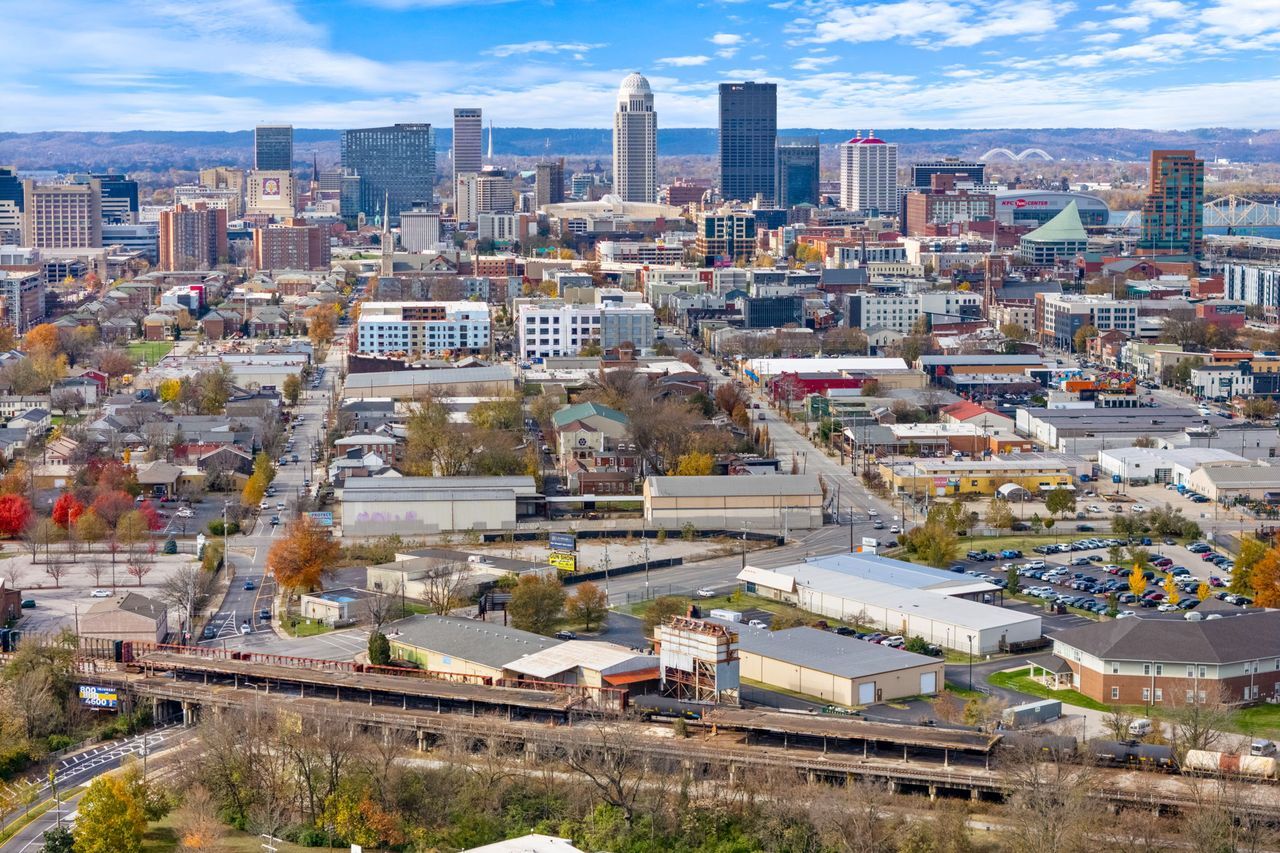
x,y
549,183
869,174
273,148
330,183
796,171
489,191
468,133
748,136
119,197
396,165
1173,211
635,141
11,199
192,238
349,197
62,216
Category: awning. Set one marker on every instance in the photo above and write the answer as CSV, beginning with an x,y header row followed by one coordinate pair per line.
x,y
1067,486
632,677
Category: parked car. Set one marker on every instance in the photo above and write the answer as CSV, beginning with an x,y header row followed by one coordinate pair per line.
x,y
208,633
28,603
566,635
250,585
754,623
100,593
705,592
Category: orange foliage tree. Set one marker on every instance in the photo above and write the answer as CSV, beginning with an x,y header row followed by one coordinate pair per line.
x,y
1265,579
42,340
305,555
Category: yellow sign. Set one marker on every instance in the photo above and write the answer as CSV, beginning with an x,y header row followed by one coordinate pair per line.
x,y
563,562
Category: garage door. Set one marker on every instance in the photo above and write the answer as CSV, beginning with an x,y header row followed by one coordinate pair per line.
x,y
867,693
928,682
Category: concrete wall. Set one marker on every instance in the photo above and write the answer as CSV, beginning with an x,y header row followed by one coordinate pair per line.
x,y
843,690
416,518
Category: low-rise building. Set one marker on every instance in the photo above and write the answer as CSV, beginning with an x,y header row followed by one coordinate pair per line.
x,y
344,606
843,670
1230,483
1158,465
128,616
940,477
552,328
423,328
1162,661
783,502
415,506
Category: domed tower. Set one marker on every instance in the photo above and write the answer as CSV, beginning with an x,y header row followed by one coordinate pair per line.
x,y
635,141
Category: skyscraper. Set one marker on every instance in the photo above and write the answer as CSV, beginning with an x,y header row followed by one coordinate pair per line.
x,y
748,136
119,197
468,134
273,147
549,183
192,238
635,141
796,171
11,201
396,164
869,175
1173,212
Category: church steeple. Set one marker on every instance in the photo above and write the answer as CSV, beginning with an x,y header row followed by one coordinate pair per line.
x,y
388,243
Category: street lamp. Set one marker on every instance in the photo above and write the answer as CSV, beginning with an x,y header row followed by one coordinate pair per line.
x,y
969,637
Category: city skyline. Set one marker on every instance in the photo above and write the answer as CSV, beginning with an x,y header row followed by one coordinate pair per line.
x,y
900,63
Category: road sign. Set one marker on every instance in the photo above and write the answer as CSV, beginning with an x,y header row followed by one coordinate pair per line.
x,y
324,519
562,561
564,542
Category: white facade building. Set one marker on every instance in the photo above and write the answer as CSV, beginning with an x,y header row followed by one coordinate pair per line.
x,y
423,327
869,174
635,141
554,328
499,227
272,193
626,252
419,230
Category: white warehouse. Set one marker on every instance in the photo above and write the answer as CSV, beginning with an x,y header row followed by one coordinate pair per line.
x,y
948,621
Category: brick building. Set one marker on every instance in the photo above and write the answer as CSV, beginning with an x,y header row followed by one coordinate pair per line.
x,y
1163,660
948,202
293,245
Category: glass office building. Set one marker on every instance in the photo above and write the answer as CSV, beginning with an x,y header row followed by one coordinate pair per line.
x,y
748,137
396,163
796,171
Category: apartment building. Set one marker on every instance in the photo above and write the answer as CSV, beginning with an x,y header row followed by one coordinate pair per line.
x,y
554,328
423,327
1060,315
62,216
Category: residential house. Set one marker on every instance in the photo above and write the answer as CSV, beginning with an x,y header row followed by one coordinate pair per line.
x,y
158,327
596,455
220,323
35,422
268,321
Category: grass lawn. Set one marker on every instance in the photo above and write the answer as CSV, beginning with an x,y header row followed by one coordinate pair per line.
x,y
1020,680
162,837
306,628
1258,720
149,351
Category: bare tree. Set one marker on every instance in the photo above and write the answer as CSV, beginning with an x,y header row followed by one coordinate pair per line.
x,y
857,818
1050,801
607,758
188,589
199,829
386,607
1199,712
443,584
319,754
1116,722
139,569
96,568
13,574
55,569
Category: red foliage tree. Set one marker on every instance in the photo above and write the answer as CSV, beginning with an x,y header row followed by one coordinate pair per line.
x,y
66,510
148,510
111,505
15,514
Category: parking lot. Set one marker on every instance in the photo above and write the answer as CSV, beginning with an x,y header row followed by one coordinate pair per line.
x,y
1084,573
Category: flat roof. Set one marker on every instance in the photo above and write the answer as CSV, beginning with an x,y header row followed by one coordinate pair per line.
x,y
1227,476
696,487
485,643
925,604
1013,360
441,376
774,366
901,573
824,651
605,658
1191,457
434,488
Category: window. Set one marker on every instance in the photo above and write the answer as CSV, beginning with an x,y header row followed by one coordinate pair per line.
x,y
1202,672
1146,669
1191,673
1115,667
1146,694
1159,669
1115,692
1159,694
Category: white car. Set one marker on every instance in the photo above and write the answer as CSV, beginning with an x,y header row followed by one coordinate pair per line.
x,y
244,628
872,513
1138,508
895,529
1125,614
1093,508
264,506
100,593
705,592
280,507
184,512
756,623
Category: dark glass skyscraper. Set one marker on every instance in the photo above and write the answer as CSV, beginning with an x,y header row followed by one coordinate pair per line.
x,y
748,134
119,197
273,148
797,171
397,163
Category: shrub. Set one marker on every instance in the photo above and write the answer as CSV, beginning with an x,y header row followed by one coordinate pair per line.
x,y
170,546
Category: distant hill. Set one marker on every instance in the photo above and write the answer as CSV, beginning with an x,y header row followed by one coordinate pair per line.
x,y
159,151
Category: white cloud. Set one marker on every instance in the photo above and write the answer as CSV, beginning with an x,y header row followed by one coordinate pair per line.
x,y
524,47
725,39
1130,22
958,24
727,52
683,61
813,63
1102,38
962,73
1242,17
1160,8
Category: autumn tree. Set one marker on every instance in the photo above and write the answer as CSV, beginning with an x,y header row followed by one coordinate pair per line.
x,y
1137,582
42,341
503,413
663,608
291,390
1251,553
131,531
111,819
694,464
1203,591
305,554
588,605
90,528
111,504
15,514
1083,335
1060,501
322,322
113,361
1000,515
67,510
934,542
1264,579
168,390
1171,593
536,602
1014,331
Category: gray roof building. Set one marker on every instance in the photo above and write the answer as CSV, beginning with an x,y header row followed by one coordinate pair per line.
x,y
485,643
1248,635
846,657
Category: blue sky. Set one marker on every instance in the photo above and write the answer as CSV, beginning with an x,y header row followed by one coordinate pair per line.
x,y
228,64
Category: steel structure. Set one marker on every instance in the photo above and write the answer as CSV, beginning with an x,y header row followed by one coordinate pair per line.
x,y
1021,155
699,661
1236,212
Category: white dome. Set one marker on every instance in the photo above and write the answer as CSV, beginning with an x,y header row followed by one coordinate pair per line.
x,y
634,83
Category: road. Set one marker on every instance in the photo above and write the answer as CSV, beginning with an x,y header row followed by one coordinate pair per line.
x,y
83,768
241,607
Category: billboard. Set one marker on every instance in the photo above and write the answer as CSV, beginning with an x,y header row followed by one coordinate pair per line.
x,y
564,542
562,561
324,519
271,188
99,697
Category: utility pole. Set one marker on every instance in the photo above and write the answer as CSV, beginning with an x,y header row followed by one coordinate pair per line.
x,y
644,540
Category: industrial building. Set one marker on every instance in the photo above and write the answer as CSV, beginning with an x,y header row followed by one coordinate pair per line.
x,y
1138,465
699,660
1086,431
837,669
940,477
447,382
1229,483
415,506
947,621
783,502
